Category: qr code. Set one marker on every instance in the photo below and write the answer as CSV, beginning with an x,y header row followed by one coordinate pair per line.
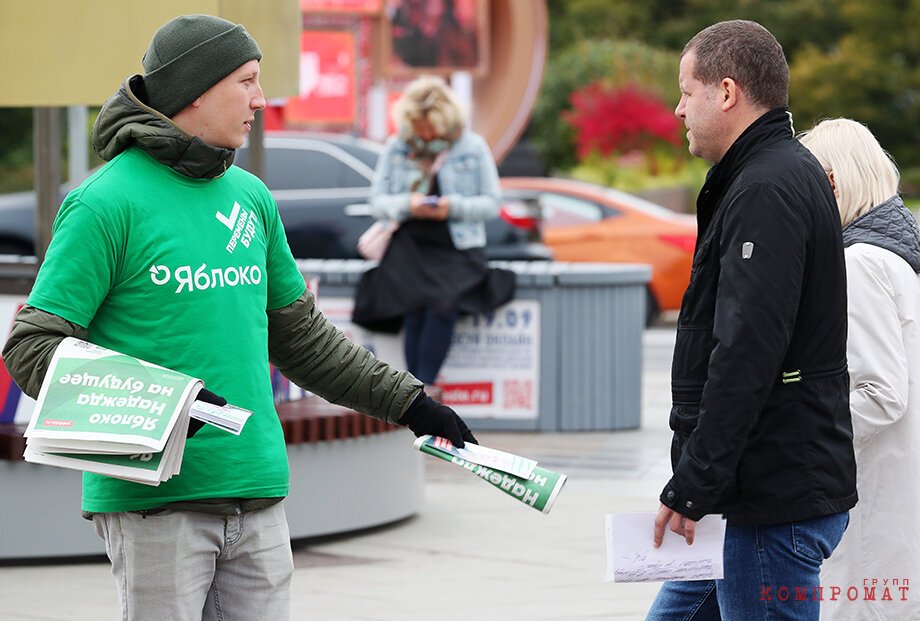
x,y
517,394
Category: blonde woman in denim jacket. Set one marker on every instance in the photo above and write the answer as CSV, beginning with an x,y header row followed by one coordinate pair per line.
x,y
438,181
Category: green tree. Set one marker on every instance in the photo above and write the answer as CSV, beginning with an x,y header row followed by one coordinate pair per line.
x,y
795,23
870,74
669,24
600,40
572,21
614,63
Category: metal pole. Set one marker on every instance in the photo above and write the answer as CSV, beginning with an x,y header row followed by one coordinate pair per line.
x,y
77,147
47,155
377,112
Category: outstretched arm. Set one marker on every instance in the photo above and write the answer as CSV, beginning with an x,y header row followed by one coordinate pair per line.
x,y
314,354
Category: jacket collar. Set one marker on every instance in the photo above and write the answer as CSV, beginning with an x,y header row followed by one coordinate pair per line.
x,y
891,226
125,120
773,126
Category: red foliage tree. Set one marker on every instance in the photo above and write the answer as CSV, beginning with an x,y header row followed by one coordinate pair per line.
x,y
611,121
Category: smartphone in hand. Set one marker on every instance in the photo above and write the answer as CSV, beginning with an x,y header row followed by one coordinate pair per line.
x,y
431,200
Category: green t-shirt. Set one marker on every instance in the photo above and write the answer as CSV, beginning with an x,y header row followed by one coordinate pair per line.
x,y
180,272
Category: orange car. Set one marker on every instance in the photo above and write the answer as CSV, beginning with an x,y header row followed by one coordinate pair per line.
x,y
586,222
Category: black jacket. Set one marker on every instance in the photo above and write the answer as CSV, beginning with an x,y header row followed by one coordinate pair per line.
x,y
759,382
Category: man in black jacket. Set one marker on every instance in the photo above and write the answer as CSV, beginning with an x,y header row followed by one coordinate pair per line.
x,y
760,410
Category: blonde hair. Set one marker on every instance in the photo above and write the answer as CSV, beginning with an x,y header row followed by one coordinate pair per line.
x,y
428,98
864,173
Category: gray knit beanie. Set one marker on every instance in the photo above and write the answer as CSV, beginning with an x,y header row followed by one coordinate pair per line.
x,y
189,55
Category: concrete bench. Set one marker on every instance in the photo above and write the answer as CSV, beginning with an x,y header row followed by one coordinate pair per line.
x,y
313,420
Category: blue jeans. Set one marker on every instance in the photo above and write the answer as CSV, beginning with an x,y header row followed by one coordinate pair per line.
x,y
428,334
771,573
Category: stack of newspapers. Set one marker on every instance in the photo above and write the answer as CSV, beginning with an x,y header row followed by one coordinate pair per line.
x,y
519,477
108,413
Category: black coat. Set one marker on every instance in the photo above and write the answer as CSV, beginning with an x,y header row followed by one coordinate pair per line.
x,y
760,392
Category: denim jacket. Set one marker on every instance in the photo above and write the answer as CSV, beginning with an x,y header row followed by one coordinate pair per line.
x,y
468,178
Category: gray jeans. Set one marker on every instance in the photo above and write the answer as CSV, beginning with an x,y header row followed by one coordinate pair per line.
x,y
189,566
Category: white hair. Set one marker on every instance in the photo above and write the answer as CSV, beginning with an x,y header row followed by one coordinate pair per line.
x,y
865,175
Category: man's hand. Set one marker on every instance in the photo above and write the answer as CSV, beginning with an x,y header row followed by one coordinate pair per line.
x,y
427,416
684,527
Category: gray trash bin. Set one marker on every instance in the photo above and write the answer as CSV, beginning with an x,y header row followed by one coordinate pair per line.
x,y
591,320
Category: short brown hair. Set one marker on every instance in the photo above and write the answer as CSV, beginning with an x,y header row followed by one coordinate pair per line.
x,y
746,52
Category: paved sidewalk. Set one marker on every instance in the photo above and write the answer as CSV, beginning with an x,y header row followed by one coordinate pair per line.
x,y
471,553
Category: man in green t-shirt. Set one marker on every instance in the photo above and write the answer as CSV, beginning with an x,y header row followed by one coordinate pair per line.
x,y
172,255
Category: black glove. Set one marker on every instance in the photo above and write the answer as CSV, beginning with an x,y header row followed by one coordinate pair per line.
x,y
208,397
427,416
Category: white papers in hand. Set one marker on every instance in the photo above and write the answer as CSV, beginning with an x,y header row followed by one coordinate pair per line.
x,y
633,557
227,417
491,458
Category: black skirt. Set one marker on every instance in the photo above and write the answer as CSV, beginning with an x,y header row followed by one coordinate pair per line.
x,y
423,269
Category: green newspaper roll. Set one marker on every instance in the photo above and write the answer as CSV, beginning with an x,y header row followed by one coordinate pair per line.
x,y
539,490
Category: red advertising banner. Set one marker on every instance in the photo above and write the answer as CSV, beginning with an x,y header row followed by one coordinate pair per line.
x,y
327,80
354,7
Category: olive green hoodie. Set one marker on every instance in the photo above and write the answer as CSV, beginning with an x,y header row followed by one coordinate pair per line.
x,y
126,120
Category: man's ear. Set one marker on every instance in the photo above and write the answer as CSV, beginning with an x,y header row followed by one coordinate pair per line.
x,y
730,93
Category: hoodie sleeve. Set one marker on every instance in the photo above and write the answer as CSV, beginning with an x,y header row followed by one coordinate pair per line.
x,y
33,339
316,356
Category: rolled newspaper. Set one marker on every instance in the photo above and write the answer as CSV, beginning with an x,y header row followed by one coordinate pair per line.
x,y
539,490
